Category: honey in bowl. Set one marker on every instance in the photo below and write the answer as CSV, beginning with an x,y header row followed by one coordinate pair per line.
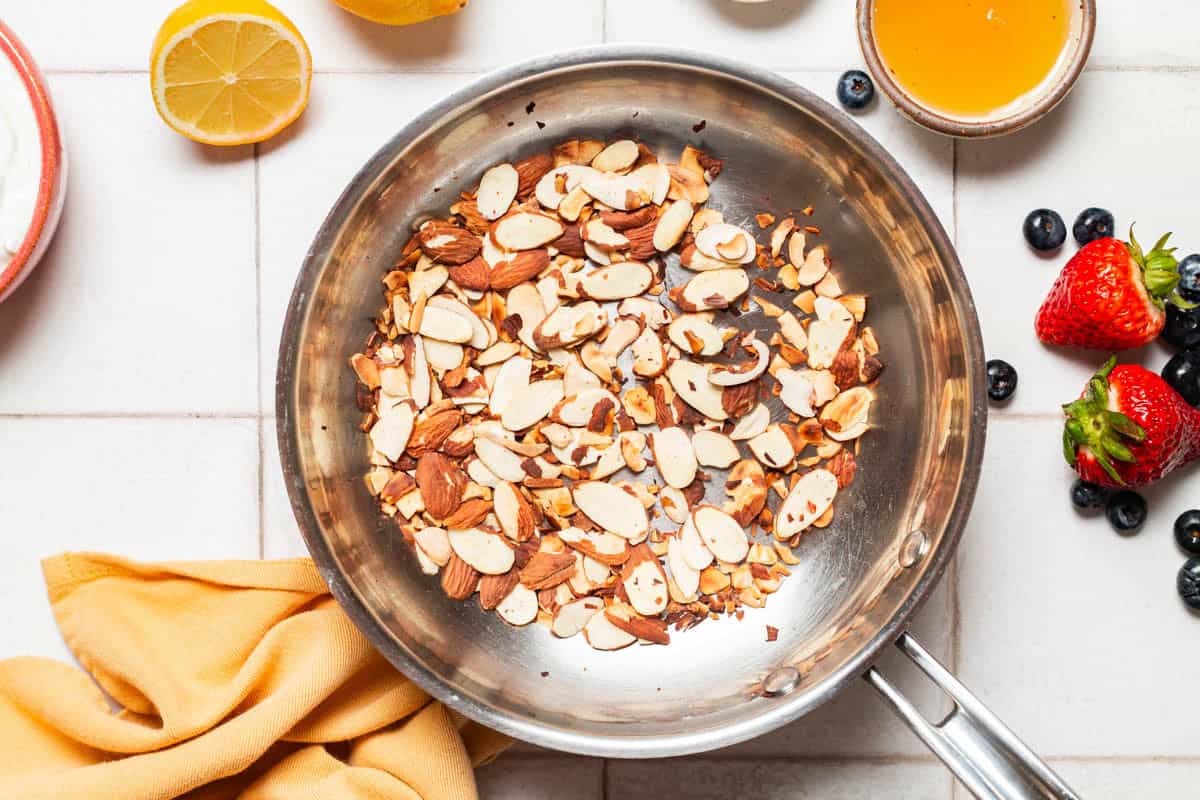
x,y
970,58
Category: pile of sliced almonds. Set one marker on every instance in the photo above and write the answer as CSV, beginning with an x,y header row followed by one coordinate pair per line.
x,y
544,414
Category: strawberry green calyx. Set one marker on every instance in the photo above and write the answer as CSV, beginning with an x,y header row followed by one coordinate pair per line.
x,y
1090,423
1160,270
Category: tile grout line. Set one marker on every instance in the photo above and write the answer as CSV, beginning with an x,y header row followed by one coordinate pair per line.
x,y
148,415
262,544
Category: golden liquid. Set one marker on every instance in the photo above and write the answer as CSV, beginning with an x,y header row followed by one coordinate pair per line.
x,y
970,57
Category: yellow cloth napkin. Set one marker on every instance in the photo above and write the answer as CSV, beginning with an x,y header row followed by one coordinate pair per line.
x,y
239,679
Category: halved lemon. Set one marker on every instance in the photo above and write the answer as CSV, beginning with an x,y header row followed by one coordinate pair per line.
x,y
401,12
229,72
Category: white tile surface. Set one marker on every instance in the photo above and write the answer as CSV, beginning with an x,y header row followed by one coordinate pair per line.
x,y
281,536
145,301
542,778
1146,780
1145,33
1072,160
775,780
146,489
1073,634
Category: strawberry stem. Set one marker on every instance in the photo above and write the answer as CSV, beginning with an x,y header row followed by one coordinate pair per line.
x,y
1160,269
1092,424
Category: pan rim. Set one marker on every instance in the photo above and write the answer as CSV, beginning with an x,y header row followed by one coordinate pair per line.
x,y
529,729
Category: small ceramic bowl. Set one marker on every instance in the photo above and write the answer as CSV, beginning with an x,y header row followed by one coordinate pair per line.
x,y
53,180
1017,115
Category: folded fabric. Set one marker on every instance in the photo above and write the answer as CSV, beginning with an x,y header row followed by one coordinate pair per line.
x,y
237,679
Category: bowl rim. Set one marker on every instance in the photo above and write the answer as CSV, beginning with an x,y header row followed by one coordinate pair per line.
x,y
973,129
15,51
525,727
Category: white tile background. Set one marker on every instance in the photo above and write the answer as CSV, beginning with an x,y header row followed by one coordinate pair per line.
x,y
137,365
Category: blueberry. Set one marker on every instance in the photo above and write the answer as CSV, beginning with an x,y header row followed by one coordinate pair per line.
x,y
1187,531
1002,380
1188,582
1086,495
1126,511
1182,373
1189,278
1045,230
1183,327
855,89
1092,224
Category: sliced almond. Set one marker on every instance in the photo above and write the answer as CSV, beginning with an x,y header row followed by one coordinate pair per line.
x,y
649,311
524,303
498,353
674,457
577,378
531,404
796,247
696,261
649,357
795,392
445,326
690,382
617,157
486,552
481,337
478,472
810,498
687,185
572,617
747,490
602,546
631,444
621,334
752,424
695,551
612,508
603,635
505,464
711,290
435,544
721,533
644,582
814,267
580,409
526,230
511,379
513,512
593,357
572,205
638,405
426,282
520,607
673,503
687,577
714,449
655,179
569,324
610,462
556,184
823,383
695,334
726,242
622,192
847,416
617,281
672,225
391,433
744,373
773,447
780,235
442,356
596,232
497,190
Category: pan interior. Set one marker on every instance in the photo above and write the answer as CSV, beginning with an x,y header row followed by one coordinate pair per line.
x,y
783,151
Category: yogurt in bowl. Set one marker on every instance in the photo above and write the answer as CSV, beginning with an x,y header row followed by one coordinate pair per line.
x,y
32,164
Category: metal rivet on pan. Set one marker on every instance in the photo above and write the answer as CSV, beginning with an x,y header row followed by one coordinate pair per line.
x,y
781,681
914,548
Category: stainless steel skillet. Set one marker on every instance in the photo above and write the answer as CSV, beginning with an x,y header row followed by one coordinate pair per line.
x,y
859,581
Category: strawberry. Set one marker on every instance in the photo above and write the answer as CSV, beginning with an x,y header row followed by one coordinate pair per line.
x,y
1129,428
1110,296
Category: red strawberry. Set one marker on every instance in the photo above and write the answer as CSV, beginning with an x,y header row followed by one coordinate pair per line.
x,y
1110,295
1129,428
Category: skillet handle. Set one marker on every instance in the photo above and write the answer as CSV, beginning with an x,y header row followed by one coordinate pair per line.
x,y
979,749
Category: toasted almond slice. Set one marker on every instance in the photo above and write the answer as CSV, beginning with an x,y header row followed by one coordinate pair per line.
x,y
813,268
638,405
512,377
597,254
687,577
497,190
610,462
649,311
390,434
520,607
612,508
655,179
645,582
596,232
572,617
571,207
442,356
481,337
547,189
513,512
721,533
823,383
484,551
622,192
734,376
577,378
829,287
393,381
525,303
796,392
696,261
796,249
435,544
647,629
690,382
621,334
445,326
478,472
687,185
505,464
673,456
714,449
526,230
695,551
426,282
674,504
780,235
649,357
580,409
695,334
617,157
672,225
530,404
773,447
846,416
603,635
791,330
428,565
726,242
711,290
811,496
617,281
596,361
747,490
498,353
493,253
569,325
631,444
826,338
607,548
